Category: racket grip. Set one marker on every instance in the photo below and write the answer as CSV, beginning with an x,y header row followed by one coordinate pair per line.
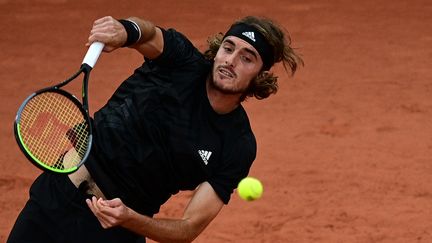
x,y
93,53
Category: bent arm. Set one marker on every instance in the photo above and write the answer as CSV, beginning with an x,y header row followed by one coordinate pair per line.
x,y
201,210
112,33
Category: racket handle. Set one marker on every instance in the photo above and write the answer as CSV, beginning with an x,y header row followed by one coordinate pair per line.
x,y
93,53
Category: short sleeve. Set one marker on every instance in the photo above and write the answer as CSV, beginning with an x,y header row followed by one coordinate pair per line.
x,y
236,166
178,50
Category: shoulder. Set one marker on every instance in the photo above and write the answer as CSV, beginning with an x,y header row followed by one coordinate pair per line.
x,y
178,50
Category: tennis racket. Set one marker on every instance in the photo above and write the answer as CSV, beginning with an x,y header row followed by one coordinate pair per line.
x,y
53,128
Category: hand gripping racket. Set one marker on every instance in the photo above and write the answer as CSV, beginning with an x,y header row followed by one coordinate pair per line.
x,y
53,128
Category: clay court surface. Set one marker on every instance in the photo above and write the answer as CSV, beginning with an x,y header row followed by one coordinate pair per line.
x,y
345,147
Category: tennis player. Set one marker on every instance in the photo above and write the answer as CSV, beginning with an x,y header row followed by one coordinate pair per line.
x,y
175,124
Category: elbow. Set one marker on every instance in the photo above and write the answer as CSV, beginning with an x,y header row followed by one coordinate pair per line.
x,y
188,234
180,239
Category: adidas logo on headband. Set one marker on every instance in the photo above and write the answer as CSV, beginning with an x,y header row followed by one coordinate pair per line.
x,y
253,36
250,35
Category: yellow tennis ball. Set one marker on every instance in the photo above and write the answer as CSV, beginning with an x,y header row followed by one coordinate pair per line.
x,y
250,189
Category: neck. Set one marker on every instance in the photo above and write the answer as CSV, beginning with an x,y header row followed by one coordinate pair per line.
x,y
222,103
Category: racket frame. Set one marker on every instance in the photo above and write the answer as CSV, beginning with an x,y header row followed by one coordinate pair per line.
x,y
82,106
87,65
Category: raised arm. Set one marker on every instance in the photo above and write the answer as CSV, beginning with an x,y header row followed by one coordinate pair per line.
x,y
111,32
201,210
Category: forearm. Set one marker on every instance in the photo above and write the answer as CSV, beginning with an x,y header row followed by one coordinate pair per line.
x,y
201,210
151,42
148,29
161,230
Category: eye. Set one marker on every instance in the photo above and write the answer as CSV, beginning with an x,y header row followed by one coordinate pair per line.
x,y
246,59
228,49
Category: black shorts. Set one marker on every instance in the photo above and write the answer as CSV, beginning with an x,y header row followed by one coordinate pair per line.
x,y
57,212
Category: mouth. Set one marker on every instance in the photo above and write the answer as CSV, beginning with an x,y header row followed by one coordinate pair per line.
x,y
226,72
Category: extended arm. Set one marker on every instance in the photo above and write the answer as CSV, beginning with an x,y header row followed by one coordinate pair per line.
x,y
201,210
111,32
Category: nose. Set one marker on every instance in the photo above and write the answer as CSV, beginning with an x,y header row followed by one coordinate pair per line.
x,y
231,59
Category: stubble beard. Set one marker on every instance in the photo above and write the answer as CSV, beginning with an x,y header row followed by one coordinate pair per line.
x,y
223,89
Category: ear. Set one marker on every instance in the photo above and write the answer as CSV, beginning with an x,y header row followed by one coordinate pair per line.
x,y
263,74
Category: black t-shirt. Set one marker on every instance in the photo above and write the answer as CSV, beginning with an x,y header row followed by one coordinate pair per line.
x,y
158,133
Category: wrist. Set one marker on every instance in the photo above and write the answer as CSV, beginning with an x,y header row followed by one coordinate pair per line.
x,y
133,32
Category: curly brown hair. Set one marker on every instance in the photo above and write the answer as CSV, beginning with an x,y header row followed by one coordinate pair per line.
x,y
265,83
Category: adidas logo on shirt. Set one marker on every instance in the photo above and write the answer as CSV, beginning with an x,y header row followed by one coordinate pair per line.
x,y
250,35
205,155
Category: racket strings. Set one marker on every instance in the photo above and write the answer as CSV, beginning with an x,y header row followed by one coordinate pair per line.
x,y
54,131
